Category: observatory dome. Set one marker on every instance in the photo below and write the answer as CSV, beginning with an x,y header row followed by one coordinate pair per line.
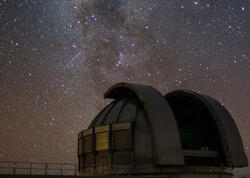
x,y
143,132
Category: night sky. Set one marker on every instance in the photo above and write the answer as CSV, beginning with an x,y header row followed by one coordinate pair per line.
x,y
57,57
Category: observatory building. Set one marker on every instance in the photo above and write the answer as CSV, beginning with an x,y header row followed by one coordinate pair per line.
x,y
142,132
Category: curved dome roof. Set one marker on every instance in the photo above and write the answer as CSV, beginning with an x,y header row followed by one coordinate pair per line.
x,y
122,110
228,131
131,99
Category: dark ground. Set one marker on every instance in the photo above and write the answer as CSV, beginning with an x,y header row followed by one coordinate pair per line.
x,y
57,176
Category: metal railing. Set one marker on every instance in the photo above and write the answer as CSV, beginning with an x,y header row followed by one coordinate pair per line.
x,y
34,168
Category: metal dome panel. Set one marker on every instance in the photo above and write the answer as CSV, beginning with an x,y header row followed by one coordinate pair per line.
x,y
228,132
165,136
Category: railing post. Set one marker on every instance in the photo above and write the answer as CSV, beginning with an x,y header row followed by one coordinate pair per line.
x,y
75,169
46,168
14,168
60,169
30,168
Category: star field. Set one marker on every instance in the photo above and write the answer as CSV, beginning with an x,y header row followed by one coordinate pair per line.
x,y
58,57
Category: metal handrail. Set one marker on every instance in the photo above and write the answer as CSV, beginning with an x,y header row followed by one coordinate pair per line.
x,y
11,167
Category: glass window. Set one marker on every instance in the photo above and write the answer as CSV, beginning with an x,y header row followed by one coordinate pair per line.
x,y
102,141
102,137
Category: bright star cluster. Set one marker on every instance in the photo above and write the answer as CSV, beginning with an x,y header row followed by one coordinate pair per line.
x,y
58,57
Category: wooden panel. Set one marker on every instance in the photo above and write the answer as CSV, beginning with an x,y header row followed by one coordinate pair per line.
x,y
104,128
89,160
122,126
81,162
122,157
87,132
121,139
88,144
80,134
102,141
103,159
80,147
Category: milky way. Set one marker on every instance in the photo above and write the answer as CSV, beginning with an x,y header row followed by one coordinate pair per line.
x,y
58,57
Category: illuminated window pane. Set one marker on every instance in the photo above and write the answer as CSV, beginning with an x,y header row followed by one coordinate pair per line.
x,y
102,141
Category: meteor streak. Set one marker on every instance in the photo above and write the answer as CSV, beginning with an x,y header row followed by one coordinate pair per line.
x,y
71,61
